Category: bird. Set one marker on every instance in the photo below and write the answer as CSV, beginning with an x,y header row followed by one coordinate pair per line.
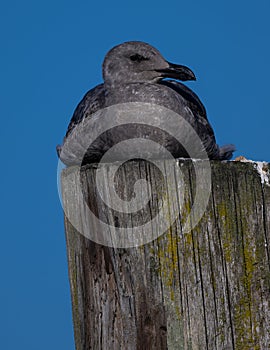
x,y
135,71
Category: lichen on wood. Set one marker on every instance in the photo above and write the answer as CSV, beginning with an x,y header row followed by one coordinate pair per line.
x,y
204,289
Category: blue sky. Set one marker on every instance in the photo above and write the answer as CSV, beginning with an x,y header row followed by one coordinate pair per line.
x,y
51,54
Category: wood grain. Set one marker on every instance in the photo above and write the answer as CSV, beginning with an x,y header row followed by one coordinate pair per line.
x,y
205,289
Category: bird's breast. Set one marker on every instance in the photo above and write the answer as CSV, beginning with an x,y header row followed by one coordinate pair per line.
x,y
146,93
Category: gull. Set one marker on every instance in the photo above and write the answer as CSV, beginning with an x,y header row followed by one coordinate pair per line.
x,y
135,71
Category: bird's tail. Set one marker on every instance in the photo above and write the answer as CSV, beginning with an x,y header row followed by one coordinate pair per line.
x,y
58,150
226,152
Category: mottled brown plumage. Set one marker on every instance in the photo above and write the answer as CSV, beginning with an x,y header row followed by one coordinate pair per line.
x,y
135,72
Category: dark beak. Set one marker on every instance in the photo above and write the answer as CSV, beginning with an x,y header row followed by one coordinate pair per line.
x,y
178,72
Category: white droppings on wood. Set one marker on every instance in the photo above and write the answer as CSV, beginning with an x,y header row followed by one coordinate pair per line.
x,y
261,167
263,170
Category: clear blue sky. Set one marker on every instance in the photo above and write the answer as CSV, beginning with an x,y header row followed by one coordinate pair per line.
x,y
51,54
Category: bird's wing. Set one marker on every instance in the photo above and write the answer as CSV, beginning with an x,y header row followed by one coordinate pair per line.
x,y
193,101
92,101
195,107
203,126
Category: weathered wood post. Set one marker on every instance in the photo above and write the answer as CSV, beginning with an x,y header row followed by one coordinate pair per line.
x,y
207,288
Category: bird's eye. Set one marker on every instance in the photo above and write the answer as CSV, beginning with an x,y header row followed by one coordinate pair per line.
x,y
138,58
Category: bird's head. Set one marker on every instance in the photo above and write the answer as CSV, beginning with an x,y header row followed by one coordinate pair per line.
x,y
135,61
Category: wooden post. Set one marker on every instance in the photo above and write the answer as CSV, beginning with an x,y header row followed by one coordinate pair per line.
x,y
204,289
